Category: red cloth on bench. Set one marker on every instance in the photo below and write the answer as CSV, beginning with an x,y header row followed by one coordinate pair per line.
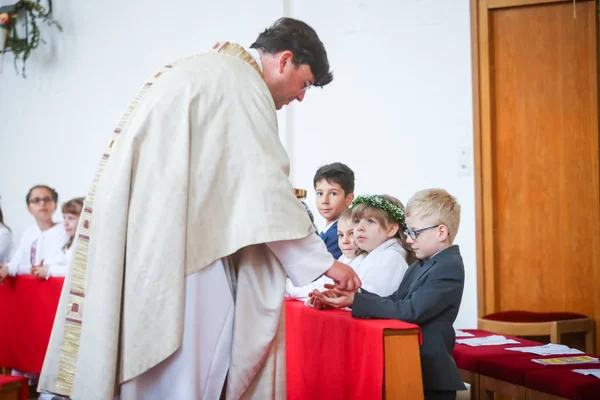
x,y
514,369
563,382
532,317
5,379
466,357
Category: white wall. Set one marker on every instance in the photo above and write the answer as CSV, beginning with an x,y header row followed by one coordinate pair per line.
x,y
398,111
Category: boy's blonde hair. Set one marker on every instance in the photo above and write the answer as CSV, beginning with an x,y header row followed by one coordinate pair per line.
x,y
438,205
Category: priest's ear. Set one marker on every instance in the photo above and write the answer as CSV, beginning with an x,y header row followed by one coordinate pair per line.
x,y
285,57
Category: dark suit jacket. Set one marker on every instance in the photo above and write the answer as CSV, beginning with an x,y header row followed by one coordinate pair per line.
x,y
331,241
429,295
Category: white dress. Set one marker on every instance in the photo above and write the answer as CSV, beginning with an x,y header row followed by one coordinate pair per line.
x,y
5,244
198,369
59,265
35,246
383,269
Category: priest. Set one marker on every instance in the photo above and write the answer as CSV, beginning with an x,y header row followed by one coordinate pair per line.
x,y
191,226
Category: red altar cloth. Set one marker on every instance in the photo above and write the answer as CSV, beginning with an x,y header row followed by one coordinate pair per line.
x,y
331,355
27,309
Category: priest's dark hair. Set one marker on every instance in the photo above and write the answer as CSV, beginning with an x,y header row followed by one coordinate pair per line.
x,y
302,40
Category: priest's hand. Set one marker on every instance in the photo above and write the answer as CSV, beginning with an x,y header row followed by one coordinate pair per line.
x,y
344,277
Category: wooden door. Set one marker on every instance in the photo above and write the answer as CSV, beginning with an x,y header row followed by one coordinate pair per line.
x,y
535,68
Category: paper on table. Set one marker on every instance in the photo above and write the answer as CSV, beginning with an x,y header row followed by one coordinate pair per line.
x,y
593,372
493,340
460,333
547,349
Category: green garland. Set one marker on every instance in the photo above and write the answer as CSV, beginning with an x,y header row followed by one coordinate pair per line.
x,y
381,203
22,47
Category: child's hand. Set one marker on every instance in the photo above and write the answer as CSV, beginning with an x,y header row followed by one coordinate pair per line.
x,y
315,300
332,298
337,298
39,271
3,273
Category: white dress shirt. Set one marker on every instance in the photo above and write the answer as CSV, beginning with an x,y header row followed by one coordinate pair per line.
x,y
35,246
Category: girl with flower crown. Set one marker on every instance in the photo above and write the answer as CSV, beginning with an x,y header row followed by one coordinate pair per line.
x,y
379,231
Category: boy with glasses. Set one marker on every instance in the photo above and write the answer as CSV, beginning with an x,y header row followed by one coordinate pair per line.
x,y
430,292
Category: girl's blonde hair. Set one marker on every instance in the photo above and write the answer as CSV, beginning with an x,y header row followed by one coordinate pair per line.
x,y
363,210
73,206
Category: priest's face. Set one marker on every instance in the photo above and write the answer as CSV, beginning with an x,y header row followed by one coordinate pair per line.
x,y
290,81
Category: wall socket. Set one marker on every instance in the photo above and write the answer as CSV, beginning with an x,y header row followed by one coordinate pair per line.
x,y
465,161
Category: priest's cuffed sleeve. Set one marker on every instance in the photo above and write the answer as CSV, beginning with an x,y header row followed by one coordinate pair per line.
x,y
303,259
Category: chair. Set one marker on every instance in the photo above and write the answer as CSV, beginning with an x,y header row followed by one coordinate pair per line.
x,y
553,324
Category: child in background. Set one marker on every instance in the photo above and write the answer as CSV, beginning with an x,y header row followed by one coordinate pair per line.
x,y
351,255
5,240
334,189
41,242
430,293
378,230
58,267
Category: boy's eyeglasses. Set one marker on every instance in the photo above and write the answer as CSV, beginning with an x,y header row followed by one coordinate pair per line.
x,y
414,234
38,200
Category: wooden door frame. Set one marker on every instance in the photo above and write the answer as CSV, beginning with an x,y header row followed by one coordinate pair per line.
x,y
482,145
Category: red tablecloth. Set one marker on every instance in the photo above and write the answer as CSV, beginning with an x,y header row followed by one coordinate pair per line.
x,y
27,309
331,355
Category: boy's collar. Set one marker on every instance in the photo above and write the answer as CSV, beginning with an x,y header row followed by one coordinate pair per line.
x,y
328,226
422,262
